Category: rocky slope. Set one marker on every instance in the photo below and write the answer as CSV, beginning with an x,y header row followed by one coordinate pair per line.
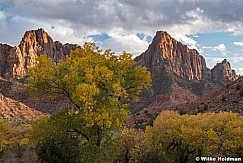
x,y
16,111
20,58
228,98
18,92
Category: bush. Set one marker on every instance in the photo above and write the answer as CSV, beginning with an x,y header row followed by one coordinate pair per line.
x,y
181,112
227,86
235,101
238,86
241,92
205,107
223,98
65,150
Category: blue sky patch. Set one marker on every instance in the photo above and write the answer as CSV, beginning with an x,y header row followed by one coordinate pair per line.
x,y
99,38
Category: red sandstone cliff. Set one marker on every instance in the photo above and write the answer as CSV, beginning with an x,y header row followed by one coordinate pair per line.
x,y
33,44
222,72
165,54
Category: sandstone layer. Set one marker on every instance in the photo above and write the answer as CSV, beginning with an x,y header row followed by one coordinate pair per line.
x,y
34,43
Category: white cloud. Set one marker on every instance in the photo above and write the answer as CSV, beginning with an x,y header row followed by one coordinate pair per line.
x,y
237,59
239,71
184,39
212,61
192,44
220,48
2,15
238,43
175,16
120,42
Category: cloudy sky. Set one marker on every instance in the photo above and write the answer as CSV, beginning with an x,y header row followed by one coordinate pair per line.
x,y
213,27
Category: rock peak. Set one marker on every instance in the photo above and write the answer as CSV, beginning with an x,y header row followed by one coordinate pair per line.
x,y
39,36
34,43
165,54
222,72
161,33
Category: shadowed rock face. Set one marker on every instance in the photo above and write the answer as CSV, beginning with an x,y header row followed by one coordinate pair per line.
x,y
4,53
34,43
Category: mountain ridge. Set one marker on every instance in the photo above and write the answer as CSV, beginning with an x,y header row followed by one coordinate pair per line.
x,y
165,54
23,56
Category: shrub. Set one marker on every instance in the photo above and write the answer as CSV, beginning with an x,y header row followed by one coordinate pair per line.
x,y
227,86
205,107
238,86
241,92
181,112
223,98
65,150
235,101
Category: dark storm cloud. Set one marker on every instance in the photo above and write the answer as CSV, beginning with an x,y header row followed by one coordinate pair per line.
x,y
128,14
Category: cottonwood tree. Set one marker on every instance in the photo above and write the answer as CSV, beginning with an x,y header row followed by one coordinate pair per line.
x,y
99,84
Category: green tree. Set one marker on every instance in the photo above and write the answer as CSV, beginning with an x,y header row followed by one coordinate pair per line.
x,y
99,84
54,139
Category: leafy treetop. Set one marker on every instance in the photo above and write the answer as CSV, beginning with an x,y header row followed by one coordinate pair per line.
x,y
100,84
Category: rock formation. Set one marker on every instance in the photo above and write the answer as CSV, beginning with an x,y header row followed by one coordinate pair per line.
x,y
179,74
223,72
166,55
34,43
